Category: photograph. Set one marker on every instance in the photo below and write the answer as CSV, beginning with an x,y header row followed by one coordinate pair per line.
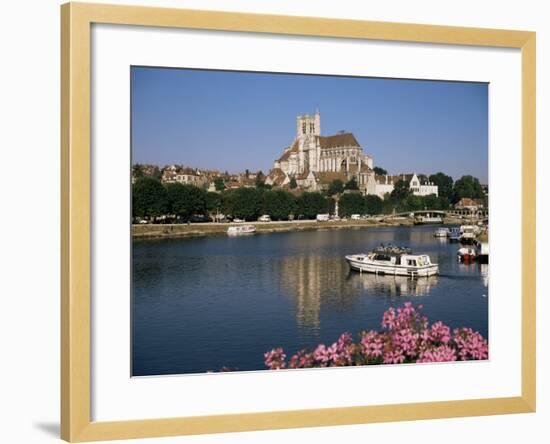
x,y
285,221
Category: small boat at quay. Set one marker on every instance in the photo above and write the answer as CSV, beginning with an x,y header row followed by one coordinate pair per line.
x,y
428,219
454,234
392,260
238,230
468,234
441,232
466,255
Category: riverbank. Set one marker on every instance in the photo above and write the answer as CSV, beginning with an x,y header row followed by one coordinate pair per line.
x,y
154,231
206,229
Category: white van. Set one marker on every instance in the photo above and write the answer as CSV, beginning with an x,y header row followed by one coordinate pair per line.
x,y
323,217
355,217
264,218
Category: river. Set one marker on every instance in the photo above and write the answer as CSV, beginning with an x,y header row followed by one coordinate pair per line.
x,y
205,303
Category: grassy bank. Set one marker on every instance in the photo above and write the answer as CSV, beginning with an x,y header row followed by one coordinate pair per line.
x,y
205,229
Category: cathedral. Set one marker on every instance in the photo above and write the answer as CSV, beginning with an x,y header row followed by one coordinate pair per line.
x,y
314,160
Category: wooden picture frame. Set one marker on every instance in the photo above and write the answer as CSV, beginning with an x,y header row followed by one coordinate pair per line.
x,y
76,21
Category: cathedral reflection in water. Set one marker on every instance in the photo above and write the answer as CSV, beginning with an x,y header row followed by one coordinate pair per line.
x,y
317,281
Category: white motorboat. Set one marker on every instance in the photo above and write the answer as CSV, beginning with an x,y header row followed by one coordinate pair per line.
x,y
391,260
468,234
441,232
237,230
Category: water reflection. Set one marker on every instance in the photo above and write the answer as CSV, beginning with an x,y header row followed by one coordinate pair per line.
x,y
484,274
395,285
313,282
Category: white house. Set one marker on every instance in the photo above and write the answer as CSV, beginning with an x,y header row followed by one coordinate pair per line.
x,y
383,184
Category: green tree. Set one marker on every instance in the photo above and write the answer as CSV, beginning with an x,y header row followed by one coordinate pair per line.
x,y
335,187
137,171
379,171
260,180
351,203
352,184
467,186
331,205
157,173
444,184
293,184
388,204
149,198
227,202
310,204
401,190
432,202
186,200
444,203
213,202
278,204
373,204
247,203
412,203
219,184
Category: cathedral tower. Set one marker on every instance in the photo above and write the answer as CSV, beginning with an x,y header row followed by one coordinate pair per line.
x,y
308,125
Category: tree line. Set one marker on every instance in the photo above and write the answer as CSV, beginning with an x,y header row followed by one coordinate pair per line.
x,y
152,199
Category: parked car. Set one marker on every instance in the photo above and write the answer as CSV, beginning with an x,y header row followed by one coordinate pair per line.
x,y
264,218
237,220
199,218
323,217
355,217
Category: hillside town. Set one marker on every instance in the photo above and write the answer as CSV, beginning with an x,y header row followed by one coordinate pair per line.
x,y
314,174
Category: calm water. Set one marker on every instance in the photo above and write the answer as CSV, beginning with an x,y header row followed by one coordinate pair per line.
x,y
201,304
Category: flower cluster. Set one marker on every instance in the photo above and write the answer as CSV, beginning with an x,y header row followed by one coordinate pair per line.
x,y
406,336
275,359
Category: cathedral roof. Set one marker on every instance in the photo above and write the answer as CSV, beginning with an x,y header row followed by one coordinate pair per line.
x,y
277,176
288,152
338,140
329,176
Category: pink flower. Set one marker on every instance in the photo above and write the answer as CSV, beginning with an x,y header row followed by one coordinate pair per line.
x,y
443,353
439,332
470,344
393,357
302,359
372,344
275,359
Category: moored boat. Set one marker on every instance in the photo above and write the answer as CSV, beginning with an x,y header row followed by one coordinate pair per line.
x,y
468,234
238,230
454,234
466,254
392,260
441,232
428,219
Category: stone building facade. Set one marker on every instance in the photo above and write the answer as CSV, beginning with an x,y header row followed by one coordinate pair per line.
x,y
419,186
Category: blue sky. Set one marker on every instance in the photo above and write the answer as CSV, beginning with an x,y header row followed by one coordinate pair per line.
x,y
239,120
